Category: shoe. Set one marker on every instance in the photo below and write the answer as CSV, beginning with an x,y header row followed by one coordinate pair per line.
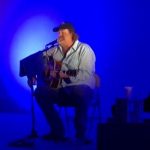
x,y
83,140
55,138
48,136
62,139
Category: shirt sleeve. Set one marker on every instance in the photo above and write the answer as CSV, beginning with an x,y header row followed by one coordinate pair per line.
x,y
86,68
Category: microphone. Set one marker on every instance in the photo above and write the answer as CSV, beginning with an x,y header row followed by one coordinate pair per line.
x,y
51,43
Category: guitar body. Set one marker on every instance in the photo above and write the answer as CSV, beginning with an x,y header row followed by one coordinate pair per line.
x,y
52,65
54,82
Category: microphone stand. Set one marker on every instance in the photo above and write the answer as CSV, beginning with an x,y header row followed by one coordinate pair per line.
x,y
29,140
33,131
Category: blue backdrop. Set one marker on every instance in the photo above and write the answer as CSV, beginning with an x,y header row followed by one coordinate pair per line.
x,y
118,32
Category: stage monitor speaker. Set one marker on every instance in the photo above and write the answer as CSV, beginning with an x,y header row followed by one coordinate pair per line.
x,y
123,137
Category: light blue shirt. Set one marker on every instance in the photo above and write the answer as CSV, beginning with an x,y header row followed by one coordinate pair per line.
x,y
79,57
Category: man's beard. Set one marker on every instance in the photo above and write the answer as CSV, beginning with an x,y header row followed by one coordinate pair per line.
x,y
61,42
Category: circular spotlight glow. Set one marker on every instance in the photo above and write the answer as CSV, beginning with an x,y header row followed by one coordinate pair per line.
x,y
30,37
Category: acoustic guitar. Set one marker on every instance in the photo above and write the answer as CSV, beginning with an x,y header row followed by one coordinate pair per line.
x,y
55,82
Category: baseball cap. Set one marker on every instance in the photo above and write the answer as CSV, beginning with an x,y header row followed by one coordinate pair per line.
x,y
64,25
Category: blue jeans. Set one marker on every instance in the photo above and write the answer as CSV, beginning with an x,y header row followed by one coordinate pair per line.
x,y
78,96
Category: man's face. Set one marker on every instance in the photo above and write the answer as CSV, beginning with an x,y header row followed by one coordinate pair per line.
x,y
64,37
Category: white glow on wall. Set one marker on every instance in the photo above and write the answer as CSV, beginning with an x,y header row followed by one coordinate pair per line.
x,y
30,37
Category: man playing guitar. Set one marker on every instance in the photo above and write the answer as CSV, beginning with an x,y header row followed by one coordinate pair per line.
x,y
73,64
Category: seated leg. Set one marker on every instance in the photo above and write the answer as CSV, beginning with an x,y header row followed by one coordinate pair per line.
x,y
80,97
46,99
